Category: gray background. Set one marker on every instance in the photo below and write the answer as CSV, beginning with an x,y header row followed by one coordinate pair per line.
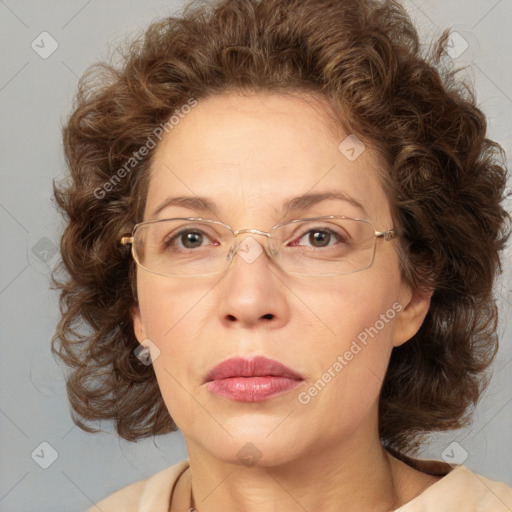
x,y
35,98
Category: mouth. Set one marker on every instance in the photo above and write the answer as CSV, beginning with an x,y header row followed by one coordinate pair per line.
x,y
251,380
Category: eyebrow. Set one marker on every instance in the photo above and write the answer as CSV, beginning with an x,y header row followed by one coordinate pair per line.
x,y
302,202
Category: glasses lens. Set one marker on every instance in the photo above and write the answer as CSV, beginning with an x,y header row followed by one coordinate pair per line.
x,y
182,247
325,247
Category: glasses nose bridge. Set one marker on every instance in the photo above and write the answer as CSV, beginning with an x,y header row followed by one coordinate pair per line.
x,y
236,243
253,231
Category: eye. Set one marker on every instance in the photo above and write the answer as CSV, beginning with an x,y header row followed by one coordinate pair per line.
x,y
188,238
320,237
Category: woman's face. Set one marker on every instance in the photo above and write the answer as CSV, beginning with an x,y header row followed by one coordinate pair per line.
x,y
249,156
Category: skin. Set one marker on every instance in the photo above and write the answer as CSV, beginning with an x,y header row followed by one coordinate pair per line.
x,y
249,154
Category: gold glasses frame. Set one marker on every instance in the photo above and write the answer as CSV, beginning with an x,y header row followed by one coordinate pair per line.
x,y
129,239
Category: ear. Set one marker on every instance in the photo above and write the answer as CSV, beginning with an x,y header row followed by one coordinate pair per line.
x,y
415,306
138,326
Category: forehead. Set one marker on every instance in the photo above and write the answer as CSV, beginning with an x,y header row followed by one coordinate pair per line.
x,y
251,154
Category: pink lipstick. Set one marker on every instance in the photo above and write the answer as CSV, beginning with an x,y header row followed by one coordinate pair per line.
x,y
251,380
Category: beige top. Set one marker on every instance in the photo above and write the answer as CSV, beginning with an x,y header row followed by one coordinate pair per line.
x,y
460,490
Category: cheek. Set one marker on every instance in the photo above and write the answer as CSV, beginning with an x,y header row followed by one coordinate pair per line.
x,y
361,345
349,363
170,312
344,307
166,305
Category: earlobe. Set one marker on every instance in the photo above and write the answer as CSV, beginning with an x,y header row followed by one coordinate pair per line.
x,y
415,306
138,327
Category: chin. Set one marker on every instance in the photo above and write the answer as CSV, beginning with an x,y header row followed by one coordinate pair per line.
x,y
254,454
256,443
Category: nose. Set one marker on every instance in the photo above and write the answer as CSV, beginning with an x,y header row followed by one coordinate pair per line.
x,y
252,292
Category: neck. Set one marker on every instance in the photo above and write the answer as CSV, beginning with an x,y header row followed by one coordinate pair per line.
x,y
358,475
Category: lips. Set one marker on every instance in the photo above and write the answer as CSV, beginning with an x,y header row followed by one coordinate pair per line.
x,y
251,380
255,367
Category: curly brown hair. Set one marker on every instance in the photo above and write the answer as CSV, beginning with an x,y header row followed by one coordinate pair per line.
x,y
444,178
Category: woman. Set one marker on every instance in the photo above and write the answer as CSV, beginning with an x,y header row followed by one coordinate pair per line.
x,y
283,231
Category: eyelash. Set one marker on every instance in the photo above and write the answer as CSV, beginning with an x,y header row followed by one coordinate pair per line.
x,y
169,241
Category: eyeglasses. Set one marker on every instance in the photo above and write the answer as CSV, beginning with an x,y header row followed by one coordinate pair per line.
x,y
319,246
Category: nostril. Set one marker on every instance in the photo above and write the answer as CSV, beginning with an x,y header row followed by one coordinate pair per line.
x,y
268,316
